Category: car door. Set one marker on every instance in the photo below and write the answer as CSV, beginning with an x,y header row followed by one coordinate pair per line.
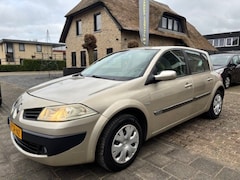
x,y
235,68
170,99
202,80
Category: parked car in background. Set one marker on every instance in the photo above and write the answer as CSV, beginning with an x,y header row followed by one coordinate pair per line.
x,y
0,95
228,65
107,111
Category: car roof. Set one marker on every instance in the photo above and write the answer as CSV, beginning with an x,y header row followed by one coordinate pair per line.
x,y
230,54
170,47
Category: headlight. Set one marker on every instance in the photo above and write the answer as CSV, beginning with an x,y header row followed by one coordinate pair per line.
x,y
220,71
65,113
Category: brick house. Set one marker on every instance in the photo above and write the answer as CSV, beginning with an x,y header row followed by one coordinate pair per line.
x,y
114,23
13,51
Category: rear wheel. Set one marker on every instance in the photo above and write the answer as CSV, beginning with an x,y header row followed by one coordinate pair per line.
x,y
216,106
119,143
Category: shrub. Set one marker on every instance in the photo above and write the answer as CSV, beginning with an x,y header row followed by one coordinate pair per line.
x,y
34,65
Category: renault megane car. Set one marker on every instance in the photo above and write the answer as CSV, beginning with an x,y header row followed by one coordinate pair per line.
x,y
106,112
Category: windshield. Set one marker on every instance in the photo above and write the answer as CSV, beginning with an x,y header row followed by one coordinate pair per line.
x,y
220,59
123,65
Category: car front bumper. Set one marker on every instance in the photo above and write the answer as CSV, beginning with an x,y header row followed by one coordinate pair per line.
x,y
41,144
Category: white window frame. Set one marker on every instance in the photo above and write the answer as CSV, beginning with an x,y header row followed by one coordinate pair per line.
x,y
79,27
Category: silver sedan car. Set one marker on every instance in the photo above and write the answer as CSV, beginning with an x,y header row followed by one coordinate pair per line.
x,y
105,113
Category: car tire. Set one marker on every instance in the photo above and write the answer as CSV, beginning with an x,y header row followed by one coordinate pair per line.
x,y
119,143
227,82
216,106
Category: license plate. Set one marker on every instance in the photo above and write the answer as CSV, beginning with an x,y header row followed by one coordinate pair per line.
x,y
17,131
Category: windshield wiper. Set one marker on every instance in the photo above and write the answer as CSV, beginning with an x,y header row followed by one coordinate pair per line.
x,y
100,77
96,76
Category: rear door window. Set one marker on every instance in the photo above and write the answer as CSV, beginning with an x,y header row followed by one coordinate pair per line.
x,y
198,62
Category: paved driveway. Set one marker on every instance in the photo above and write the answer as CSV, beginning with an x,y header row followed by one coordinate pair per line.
x,y
198,149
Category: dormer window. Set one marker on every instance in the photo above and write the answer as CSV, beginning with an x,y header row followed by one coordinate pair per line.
x,y
171,23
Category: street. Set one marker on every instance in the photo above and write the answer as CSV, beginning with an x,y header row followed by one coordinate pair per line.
x,y
198,149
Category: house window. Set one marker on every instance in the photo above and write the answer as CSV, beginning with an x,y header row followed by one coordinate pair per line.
x,y
95,55
164,22
109,50
235,41
171,23
83,58
9,47
232,41
79,27
97,22
9,55
221,42
21,47
39,48
74,61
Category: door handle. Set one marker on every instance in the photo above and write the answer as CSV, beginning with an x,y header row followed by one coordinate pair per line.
x,y
188,85
209,79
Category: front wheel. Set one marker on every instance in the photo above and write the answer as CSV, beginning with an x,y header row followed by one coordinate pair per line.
x,y
216,106
119,143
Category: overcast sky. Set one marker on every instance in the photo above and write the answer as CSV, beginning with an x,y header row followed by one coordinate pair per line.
x,y
32,19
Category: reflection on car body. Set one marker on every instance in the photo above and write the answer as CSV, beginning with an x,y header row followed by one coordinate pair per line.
x,y
228,66
107,111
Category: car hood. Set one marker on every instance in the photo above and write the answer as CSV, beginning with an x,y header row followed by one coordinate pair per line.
x,y
71,89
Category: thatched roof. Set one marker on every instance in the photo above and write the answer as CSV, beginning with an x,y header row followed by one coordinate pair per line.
x,y
125,14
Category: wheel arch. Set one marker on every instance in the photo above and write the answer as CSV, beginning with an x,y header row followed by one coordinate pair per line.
x,y
136,109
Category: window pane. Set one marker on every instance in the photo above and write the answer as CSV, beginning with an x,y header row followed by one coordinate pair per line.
x,y
221,42
215,43
39,48
79,27
164,22
83,59
74,62
197,62
172,60
97,22
235,41
21,47
109,50
170,24
229,41
95,55
175,25
9,47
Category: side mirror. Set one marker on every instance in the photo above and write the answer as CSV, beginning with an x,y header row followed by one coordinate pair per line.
x,y
166,75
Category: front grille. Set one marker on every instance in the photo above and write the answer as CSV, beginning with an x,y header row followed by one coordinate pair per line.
x,y
32,114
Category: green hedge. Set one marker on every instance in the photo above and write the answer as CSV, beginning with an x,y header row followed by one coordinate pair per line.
x,y
34,65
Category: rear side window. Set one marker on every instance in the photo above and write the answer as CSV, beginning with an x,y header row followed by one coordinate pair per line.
x,y
198,62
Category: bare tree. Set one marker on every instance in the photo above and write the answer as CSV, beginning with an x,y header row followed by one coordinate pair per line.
x,y
90,44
